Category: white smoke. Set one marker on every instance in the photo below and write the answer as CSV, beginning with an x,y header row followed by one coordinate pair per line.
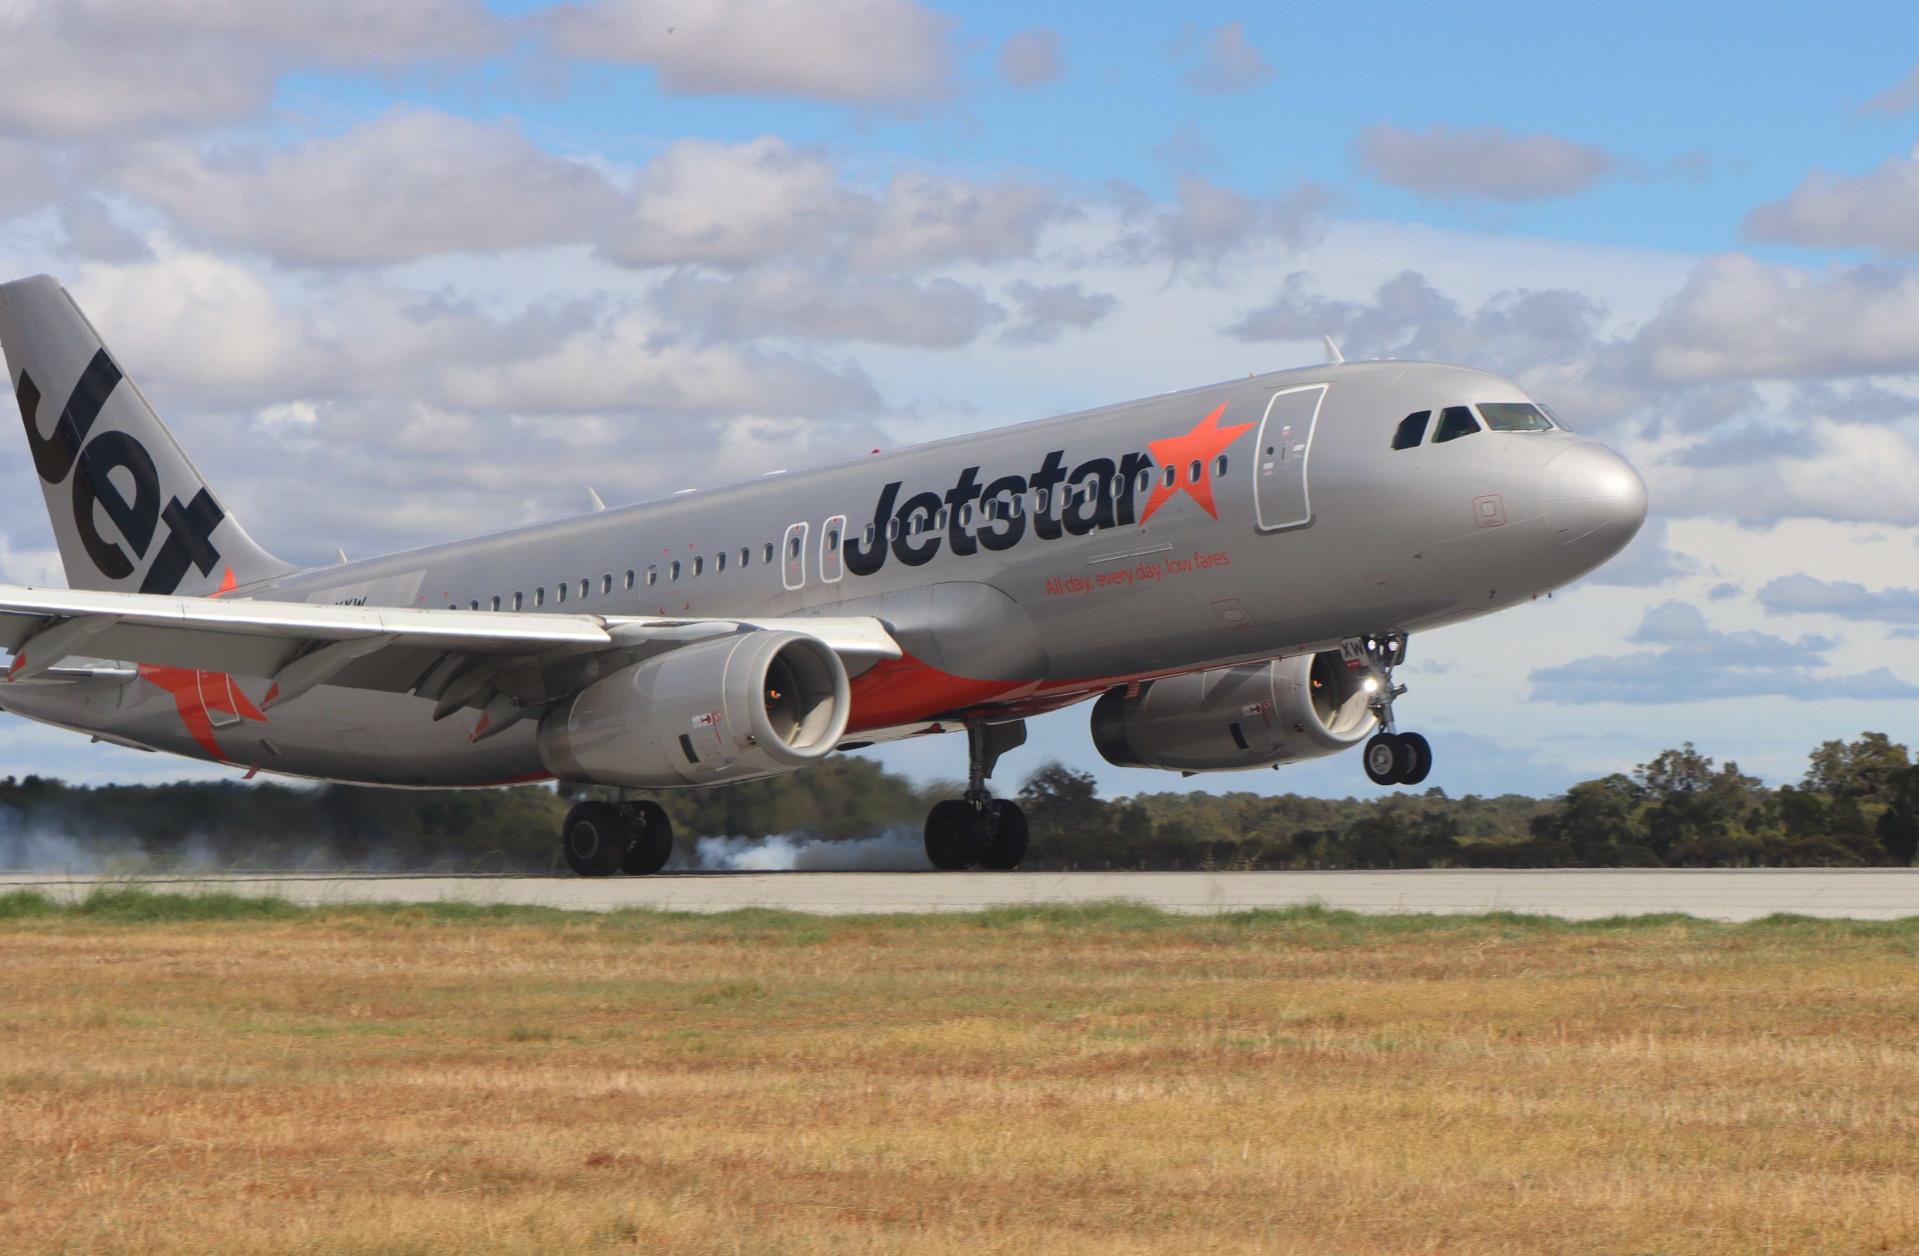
x,y
896,850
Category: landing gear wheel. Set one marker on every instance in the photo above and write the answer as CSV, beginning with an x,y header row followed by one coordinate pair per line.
x,y
955,835
1006,845
650,839
1420,754
1384,759
594,839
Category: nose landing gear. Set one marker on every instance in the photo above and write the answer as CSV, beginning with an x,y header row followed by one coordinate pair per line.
x,y
979,830
1391,757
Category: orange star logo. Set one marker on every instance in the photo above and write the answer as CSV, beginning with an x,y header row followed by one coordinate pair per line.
x,y
200,696
1182,453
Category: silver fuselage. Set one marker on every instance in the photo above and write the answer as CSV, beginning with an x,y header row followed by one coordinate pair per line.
x,y
1319,530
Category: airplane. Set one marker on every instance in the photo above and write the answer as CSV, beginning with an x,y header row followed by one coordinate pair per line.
x,y
1229,573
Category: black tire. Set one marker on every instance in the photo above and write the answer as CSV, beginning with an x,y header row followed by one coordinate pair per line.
x,y
650,840
594,839
955,835
1007,844
1385,759
1419,753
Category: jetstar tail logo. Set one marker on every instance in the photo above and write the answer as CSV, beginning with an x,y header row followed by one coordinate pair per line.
x,y
91,462
996,514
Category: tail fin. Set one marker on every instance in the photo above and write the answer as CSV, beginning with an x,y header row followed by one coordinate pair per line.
x,y
131,511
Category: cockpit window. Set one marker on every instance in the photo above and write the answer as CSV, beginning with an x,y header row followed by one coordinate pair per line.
x,y
1455,422
1412,430
1554,416
1513,416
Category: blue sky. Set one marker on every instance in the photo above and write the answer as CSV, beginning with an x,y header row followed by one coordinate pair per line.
x,y
384,243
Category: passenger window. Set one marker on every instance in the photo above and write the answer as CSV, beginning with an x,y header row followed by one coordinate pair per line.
x,y
1219,465
539,596
1041,502
652,576
746,556
719,562
559,591
673,570
699,564
519,601
629,578
769,552
496,601
1192,472
1455,422
1172,476
606,584
1412,429
1145,479
793,546
893,529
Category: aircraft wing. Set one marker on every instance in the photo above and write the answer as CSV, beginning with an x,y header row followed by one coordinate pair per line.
x,y
463,657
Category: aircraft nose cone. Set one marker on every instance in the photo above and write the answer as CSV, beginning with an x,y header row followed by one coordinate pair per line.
x,y
1595,502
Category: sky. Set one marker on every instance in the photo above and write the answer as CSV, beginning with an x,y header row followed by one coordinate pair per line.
x,y
401,272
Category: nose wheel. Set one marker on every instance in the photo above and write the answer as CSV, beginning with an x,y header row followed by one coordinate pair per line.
x,y
1391,757
1398,759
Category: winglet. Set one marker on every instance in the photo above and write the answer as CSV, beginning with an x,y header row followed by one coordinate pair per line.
x,y
594,497
1333,356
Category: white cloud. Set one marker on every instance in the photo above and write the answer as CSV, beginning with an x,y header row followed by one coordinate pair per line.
x,y
412,184
75,68
1230,63
864,52
25,181
1481,162
1740,318
1898,98
1031,58
733,205
808,303
201,323
634,362
1873,211
927,219
1206,223
1510,332
1046,311
1693,661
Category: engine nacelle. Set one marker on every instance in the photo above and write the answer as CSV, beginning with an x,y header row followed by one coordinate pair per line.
x,y
1231,718
729,709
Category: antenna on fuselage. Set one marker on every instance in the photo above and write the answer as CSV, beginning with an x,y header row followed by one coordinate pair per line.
x,y
1333,356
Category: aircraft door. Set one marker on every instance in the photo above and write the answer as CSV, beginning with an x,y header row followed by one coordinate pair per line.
x,y
1280,495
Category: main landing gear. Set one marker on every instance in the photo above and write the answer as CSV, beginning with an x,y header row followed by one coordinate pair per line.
x,y
1391,757
602,838
979,830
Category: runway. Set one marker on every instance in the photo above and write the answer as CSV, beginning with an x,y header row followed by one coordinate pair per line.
x,y
1744,894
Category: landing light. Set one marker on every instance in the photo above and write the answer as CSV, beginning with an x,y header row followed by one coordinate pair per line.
x,y
1370,685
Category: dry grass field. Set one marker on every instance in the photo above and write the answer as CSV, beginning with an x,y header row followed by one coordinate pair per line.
x,y
216,1075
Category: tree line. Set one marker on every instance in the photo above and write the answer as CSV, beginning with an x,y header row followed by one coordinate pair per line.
x,y
1857,805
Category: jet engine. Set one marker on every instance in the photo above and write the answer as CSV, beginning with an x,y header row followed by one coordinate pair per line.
x,y
1231,718
727,709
